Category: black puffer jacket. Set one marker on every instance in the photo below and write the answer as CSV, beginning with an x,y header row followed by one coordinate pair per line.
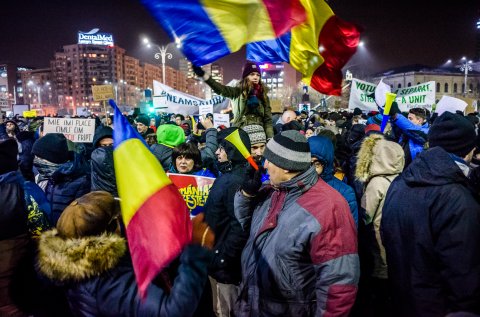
x,y
430,230
70,181
103,172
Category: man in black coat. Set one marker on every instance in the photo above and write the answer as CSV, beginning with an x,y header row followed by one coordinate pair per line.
x,y
225,270
431,226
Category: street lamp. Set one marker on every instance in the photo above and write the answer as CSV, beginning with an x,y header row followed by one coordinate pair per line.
x,y
161,54
465,67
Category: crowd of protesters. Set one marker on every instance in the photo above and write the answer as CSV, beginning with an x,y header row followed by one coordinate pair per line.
x,y
341,218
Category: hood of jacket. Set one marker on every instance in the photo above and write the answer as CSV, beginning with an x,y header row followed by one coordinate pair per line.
x,y
322,148
378,156
170,135
11,178
100,133
300,183
434,167
67,260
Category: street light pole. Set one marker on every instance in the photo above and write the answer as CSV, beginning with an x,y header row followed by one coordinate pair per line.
x,y
162,54
465,68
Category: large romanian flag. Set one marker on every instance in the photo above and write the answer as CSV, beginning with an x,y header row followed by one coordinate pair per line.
x,y
209,29
317,48
156,217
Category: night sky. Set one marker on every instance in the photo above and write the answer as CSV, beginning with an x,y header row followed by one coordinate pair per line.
x,y
396,33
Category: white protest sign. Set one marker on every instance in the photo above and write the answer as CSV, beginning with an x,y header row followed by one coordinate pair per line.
x,y
221,119
74,129
359,96
450,104
381,93
179,102
204,109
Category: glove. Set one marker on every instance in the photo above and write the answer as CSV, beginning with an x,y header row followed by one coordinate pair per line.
x,y
253,180
198,71
394,109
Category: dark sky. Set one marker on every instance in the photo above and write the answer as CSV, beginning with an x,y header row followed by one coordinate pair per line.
x,y
396,33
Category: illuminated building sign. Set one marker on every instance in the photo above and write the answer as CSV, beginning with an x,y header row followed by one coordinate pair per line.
x,y
95,38
268,66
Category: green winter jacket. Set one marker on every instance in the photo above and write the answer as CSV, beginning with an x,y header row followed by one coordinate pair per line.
x,y
241,116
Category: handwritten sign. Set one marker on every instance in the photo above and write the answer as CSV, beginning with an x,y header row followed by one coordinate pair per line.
x,y
102,92
204,109
221,119
74,129
194,189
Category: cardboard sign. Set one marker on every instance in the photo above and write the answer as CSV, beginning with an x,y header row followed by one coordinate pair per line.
x,y
30,114
102,92
74,129
221,119
194,189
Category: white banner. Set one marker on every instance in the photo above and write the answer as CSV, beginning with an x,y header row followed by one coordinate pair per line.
x,y
74,129
419,96
359,96
179,102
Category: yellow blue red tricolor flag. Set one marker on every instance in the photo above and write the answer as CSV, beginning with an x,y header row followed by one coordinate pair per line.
x,y
156,218
318,48
209,29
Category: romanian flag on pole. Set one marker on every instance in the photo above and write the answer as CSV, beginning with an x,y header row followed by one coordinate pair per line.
x,y
206,30
156,217
317,48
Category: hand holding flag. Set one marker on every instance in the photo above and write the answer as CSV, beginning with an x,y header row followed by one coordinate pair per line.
x,y
156,218
206,30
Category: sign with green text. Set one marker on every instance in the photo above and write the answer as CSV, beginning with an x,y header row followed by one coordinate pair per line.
x,y
419,96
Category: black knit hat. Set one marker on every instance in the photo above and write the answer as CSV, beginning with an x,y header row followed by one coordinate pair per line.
x,y
233,154
357,111
454,133
249,68
8,156
289,150
143,119
52,147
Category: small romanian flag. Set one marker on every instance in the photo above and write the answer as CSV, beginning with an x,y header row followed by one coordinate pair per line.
x,y
317,48
206,30
156,217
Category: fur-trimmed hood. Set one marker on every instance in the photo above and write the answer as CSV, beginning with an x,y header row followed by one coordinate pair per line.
x,y
377,156
66,260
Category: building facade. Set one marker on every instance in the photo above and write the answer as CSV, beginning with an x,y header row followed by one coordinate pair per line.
x,y
448,81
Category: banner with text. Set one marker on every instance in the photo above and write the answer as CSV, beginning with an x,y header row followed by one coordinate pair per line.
x,y
74,129
173,101
419,96
194,189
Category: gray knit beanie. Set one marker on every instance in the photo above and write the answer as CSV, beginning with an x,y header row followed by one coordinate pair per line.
x,y
289,150
256,133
